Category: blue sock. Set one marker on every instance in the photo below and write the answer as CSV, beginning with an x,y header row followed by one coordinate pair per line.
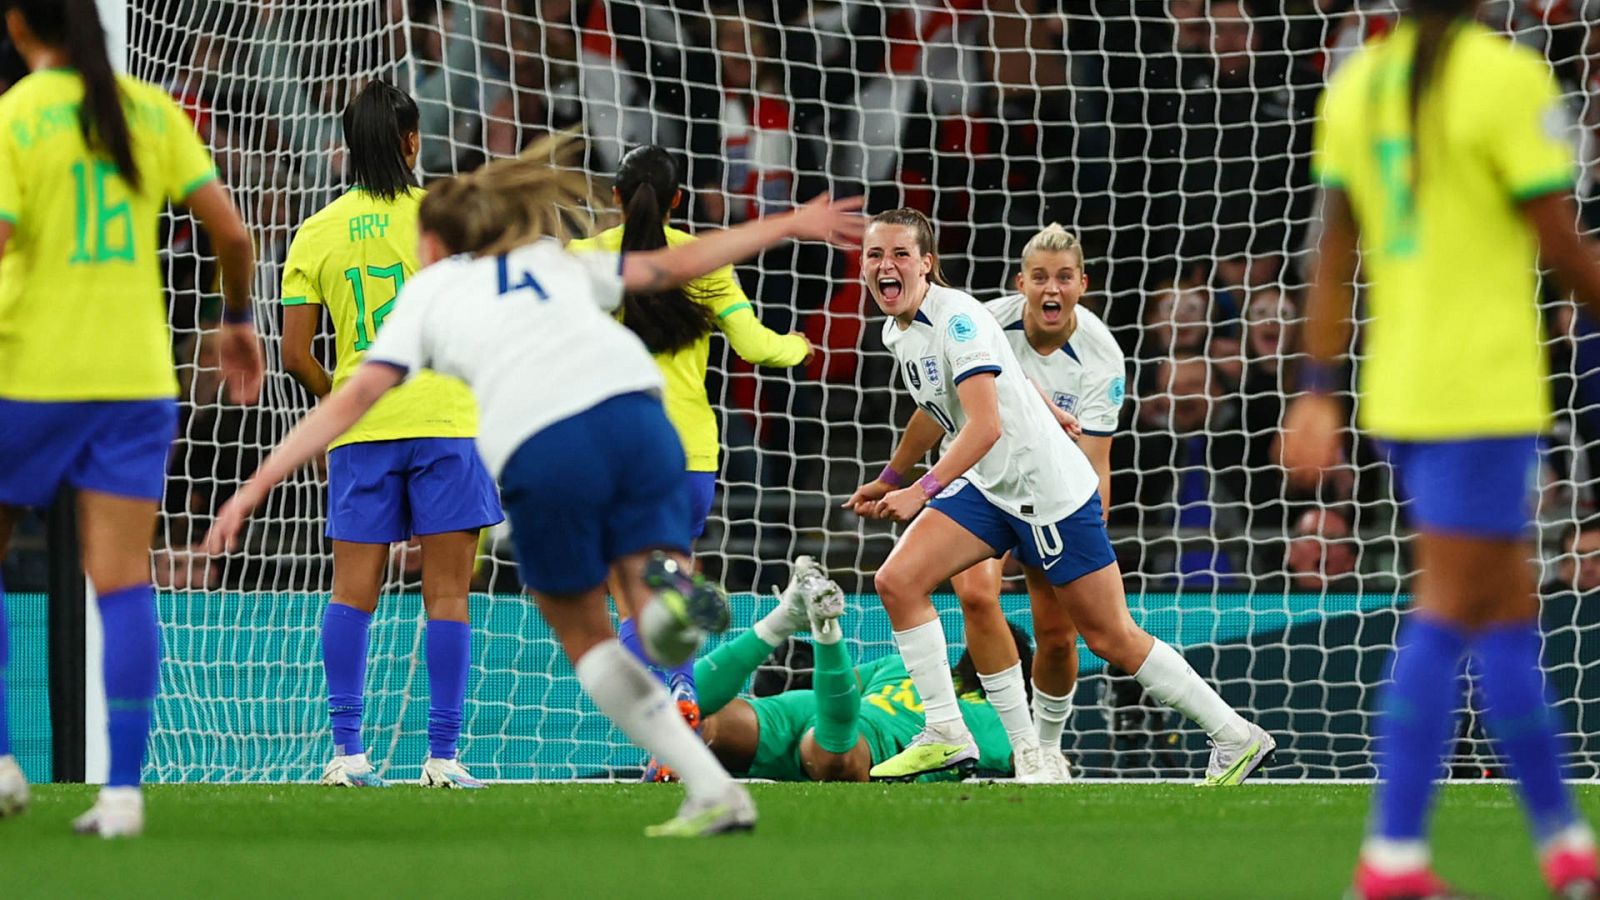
x,y
628,634
5,660
132,664
1519,718
1417,723
681,678
344,658
449,657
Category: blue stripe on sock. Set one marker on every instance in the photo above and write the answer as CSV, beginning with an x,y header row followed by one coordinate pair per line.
x,y
449,653
1417,723
132,663
344,659
1520,720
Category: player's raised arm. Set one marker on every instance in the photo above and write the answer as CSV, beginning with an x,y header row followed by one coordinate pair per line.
x,y
822,219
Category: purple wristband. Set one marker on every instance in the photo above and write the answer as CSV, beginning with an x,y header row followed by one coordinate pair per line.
x,y
930,485
891,477
1318,377
244,316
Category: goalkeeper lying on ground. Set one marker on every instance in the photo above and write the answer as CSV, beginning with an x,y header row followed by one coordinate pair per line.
x,y
852,718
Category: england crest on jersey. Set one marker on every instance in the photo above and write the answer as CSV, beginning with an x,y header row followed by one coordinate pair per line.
x,y
1067,403
930,367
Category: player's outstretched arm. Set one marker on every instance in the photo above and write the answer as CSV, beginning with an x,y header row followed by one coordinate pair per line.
x,y
331,418
922,435
823,219
980,401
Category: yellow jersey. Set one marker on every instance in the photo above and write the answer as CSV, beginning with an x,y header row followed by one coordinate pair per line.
x,y
684,372
1454,342
352,257
83,314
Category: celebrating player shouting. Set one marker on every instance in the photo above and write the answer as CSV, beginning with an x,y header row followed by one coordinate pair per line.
x,y
1010,479
1071,357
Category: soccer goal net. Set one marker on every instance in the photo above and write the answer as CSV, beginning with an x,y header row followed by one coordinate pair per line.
x,y
1172,137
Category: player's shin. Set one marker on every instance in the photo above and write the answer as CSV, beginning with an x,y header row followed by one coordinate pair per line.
x,y
721,673
1008,696
927,659
449,652
639,705
1169,678
1413,731
132,675
837,690
1523,725
344,658
1050,714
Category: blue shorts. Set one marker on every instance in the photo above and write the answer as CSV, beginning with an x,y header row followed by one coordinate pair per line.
x,y
593,488
1483,487
115,447
1064,551
380,492
702,490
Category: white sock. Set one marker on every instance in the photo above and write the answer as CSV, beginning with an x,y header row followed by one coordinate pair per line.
x,y
927,658
1050,713
1169,678
639,705
1009,697
1394,857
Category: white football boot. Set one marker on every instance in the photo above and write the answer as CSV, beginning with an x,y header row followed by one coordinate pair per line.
x,y
1057,761
733,811
118,812
1228,769
13,786
448,773
351,771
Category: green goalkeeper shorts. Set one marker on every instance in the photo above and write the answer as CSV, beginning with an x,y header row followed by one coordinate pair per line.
x,y
782,720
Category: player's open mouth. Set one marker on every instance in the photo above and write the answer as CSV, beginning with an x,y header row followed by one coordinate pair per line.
x,y
1051,311
889,288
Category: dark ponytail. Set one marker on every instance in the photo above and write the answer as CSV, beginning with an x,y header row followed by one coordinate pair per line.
x,y
376,123
74,26
670,320
1435,32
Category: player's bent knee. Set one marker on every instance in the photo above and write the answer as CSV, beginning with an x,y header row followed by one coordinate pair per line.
x,y
977,602
1120,646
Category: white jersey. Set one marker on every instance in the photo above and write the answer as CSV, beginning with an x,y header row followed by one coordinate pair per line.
x,y
1034,472
1087,377
528,331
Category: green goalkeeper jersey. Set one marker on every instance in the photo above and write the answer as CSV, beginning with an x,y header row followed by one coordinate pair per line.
x,y
890,716
891,712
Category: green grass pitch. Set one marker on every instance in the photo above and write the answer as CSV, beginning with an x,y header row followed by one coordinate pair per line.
x,y
825,841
